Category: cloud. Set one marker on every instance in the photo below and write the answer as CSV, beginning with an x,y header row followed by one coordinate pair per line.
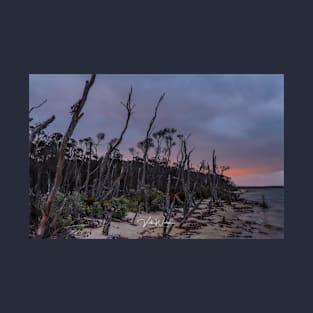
x,y
241,116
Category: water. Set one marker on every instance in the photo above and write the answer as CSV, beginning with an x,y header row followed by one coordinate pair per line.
x,y
269,221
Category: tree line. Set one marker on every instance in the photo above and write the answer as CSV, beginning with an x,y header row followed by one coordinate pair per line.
x,y
58,163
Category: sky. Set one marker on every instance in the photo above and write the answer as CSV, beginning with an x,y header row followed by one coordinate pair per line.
x,y
240,116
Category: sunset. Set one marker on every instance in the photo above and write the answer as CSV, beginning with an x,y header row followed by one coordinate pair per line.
x,y
240,116
156,156
165,163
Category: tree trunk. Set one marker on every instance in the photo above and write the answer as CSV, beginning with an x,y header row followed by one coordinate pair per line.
x,y
88,170
58,176
166,210
146,148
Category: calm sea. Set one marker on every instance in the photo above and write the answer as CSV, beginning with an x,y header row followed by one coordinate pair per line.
x,y
270,221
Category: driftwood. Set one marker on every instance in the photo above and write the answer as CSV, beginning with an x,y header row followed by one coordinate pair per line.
x,y
195,207
76,115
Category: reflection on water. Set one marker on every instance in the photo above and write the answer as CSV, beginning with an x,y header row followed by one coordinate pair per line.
x,y
269,220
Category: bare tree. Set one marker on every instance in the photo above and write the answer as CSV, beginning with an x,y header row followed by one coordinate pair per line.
x,y
168,209
147,140
76,115
116,185
113,145
89,144
170,143
146,147
214,179
108,218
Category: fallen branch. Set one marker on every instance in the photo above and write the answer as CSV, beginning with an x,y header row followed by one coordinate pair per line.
x,y
190,212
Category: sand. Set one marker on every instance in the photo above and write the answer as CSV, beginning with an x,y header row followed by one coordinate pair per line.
x,y
235,220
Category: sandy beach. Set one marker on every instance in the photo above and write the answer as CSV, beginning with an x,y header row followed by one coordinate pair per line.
x,y
236,220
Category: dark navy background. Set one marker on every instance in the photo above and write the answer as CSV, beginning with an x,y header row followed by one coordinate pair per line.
x,y
156,37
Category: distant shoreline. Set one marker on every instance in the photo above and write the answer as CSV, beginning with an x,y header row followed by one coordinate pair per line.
x,y
259,187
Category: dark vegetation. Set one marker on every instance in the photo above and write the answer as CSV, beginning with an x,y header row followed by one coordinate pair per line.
x,y
72,184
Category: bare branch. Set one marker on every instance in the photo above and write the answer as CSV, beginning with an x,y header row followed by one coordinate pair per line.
x,y
129,109
146,140
106,160
39,128
149,130
37,106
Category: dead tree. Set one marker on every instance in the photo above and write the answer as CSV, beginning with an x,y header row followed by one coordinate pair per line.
x,y
116,185
166,210
159,137
76,115
106,161
89,144
209,178
170,143
184,171
181,159
214,179
146,147
186,184
107,221
100,137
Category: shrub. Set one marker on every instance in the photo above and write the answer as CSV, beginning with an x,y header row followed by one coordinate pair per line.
x,y
156,199
135,200
121,205
57,202
105,203
203,193
97,210
88,201
135,205
59,197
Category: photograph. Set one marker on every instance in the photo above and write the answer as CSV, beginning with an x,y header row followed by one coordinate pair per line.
x,y
156,156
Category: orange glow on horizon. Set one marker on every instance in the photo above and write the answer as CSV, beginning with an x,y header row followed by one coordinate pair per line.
x,y
241,171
